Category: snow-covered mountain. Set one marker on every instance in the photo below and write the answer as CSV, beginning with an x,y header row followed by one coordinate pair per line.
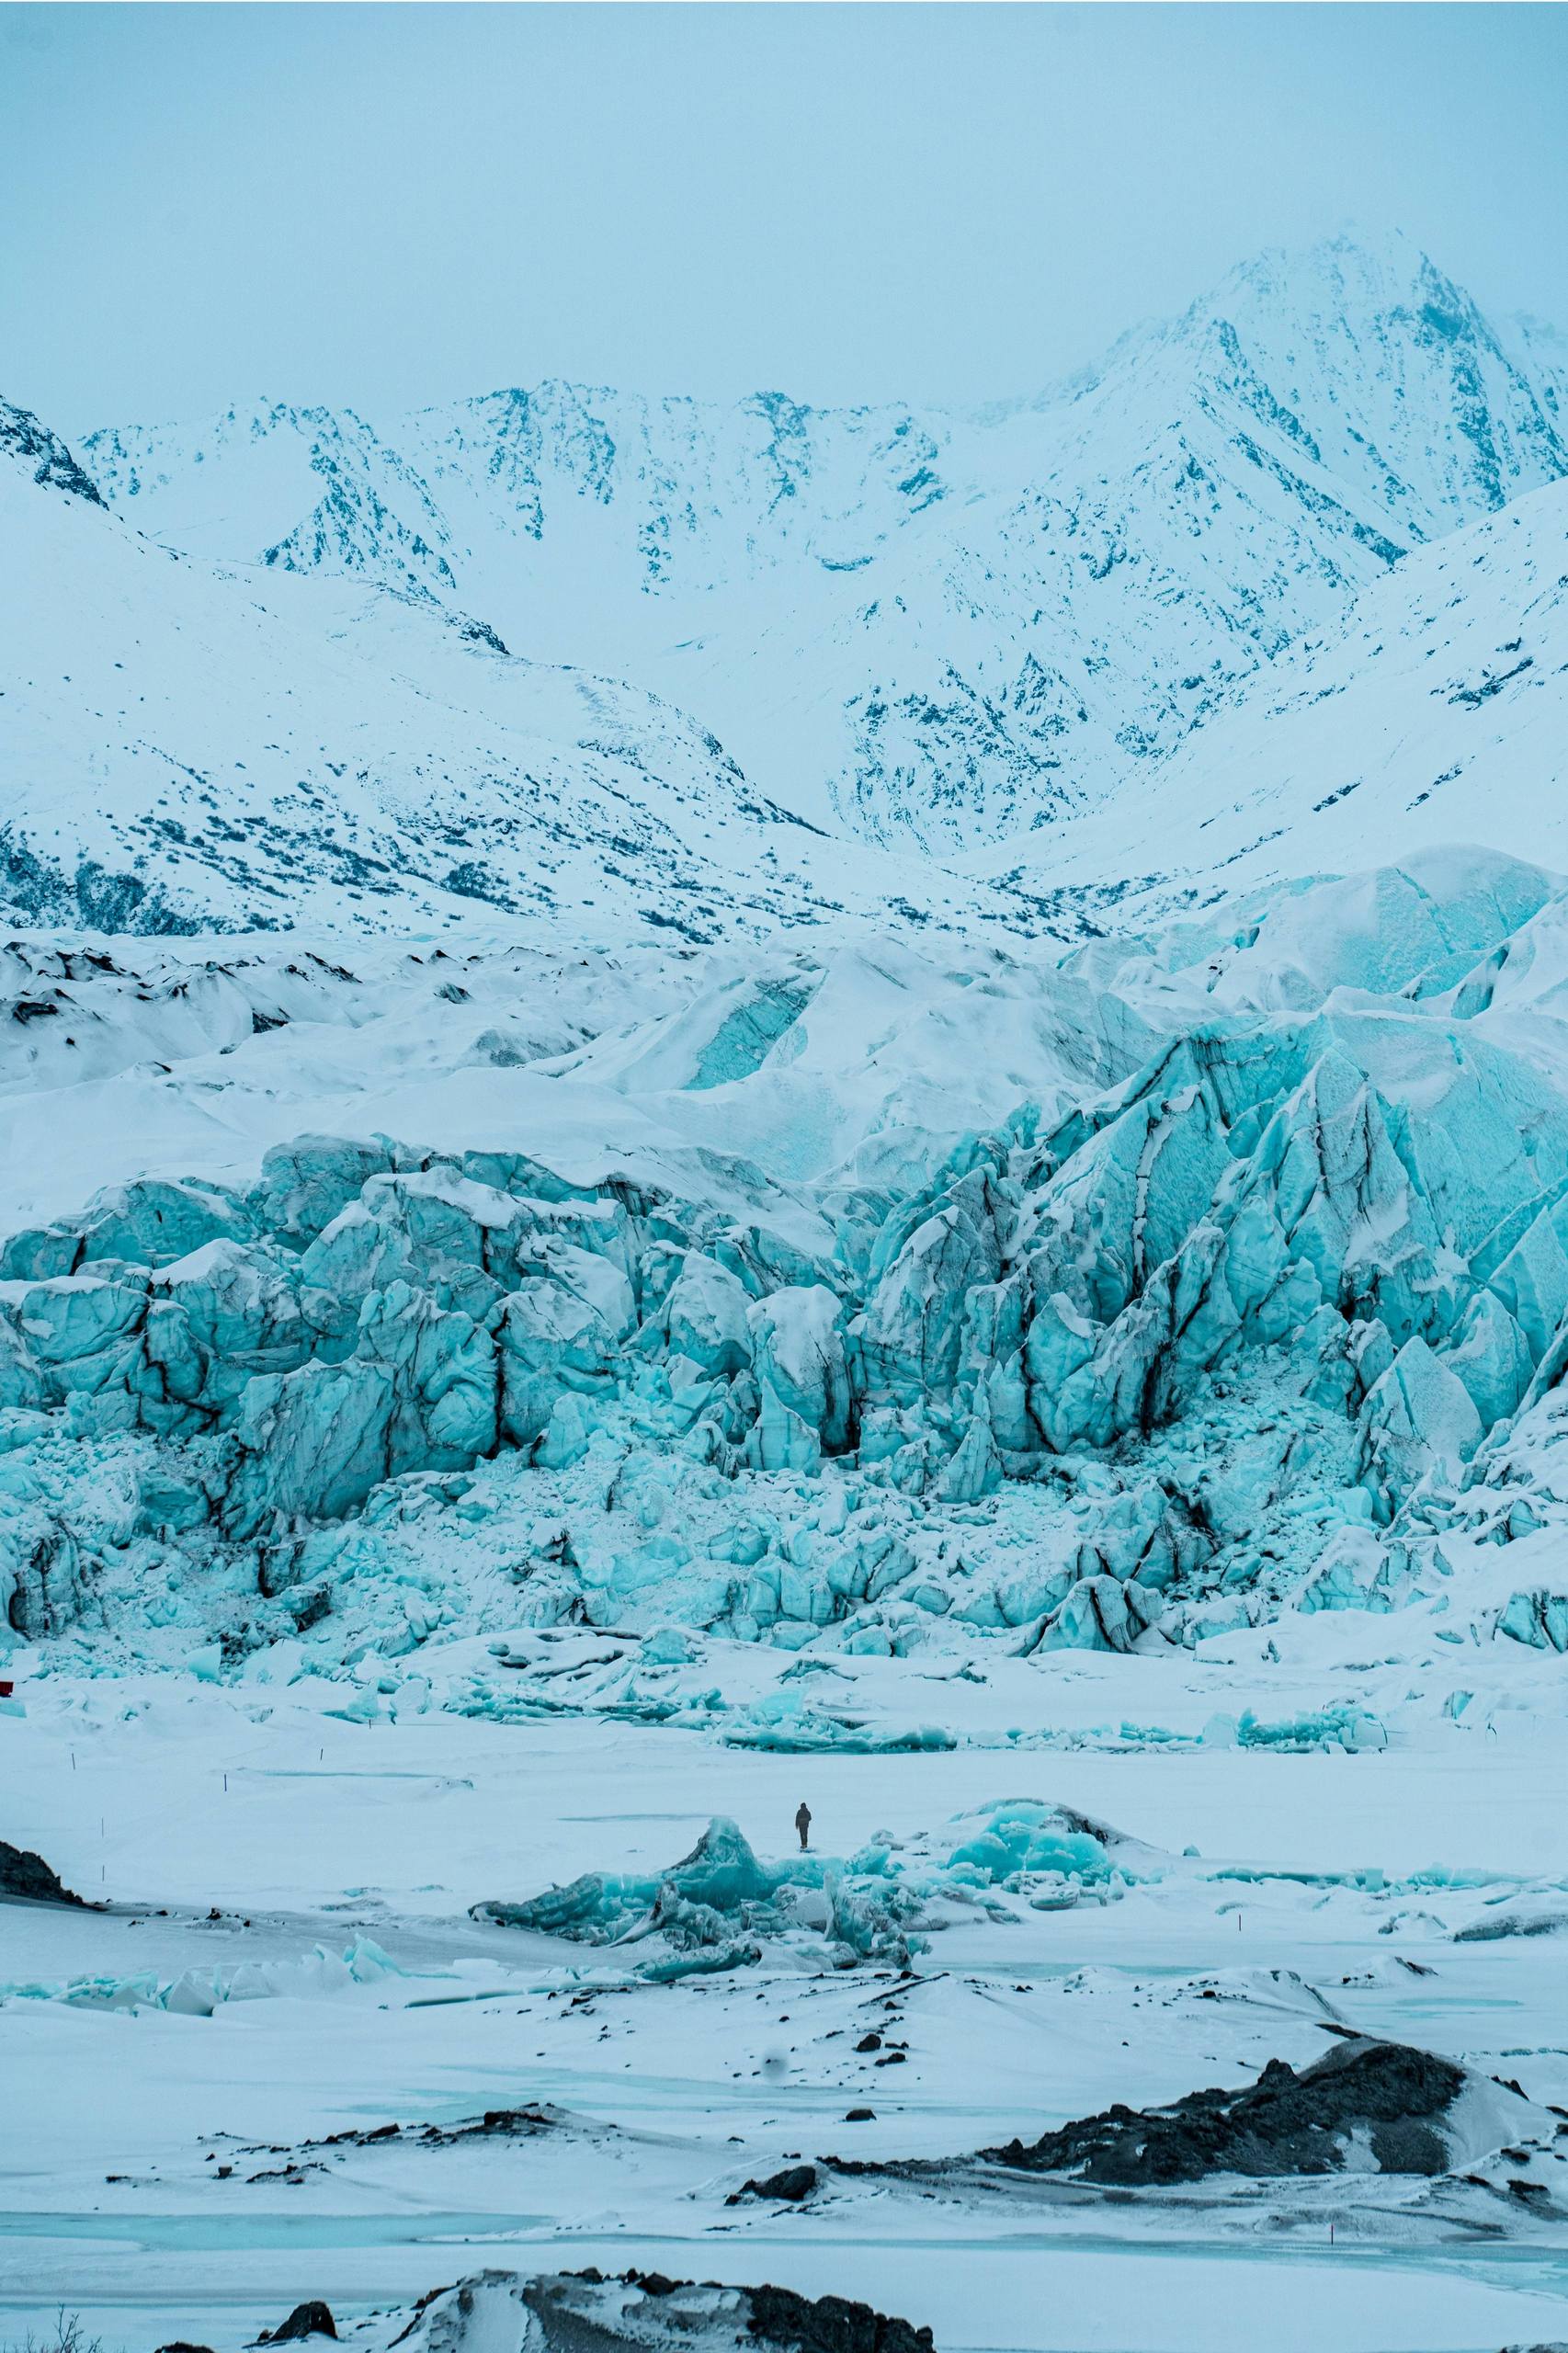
x,y
1435,712
949,629
189,746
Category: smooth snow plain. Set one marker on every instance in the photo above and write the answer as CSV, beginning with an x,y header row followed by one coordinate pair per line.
x,y
310,1834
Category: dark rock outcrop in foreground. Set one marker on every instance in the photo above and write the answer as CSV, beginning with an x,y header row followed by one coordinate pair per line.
x,y
27,1875
496,2124
1386,2101
827,2325
583,2311
1388,2097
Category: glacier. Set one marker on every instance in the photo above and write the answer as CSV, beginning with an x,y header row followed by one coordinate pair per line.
x,y
1257,1311
714,1106
714,1909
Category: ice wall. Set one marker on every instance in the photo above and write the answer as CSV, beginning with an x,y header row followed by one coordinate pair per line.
x,y
1247,1328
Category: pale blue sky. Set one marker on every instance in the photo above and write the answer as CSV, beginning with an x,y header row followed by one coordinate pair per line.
x,y
386,205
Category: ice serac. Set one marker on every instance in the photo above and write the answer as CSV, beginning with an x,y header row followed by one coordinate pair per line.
x,y
1256,1301
798,1358
419,1393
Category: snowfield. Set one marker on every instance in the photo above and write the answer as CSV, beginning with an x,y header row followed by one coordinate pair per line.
x,y
626,2112
1008,1279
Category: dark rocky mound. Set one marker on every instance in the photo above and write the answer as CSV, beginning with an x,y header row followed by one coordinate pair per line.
x,y
588,2311
496,2124
306,2320
828,2325
27,1875
1285,2123
1493,1925
772,2315
792,2184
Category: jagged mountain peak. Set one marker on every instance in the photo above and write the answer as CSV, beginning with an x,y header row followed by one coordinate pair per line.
x,y
30,445
849,597
1359,278
1357,259
1361,355
193,747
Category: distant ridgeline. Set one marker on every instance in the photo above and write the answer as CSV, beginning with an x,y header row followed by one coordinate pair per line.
x,y
942,630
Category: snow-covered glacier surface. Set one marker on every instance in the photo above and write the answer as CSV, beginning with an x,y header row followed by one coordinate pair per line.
x,y
487,1431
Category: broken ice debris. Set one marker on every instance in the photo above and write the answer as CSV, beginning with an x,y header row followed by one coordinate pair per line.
x,y
718,1907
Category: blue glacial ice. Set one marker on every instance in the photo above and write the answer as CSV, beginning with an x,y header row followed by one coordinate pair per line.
x,y
721,1907
1264,1309
199,1992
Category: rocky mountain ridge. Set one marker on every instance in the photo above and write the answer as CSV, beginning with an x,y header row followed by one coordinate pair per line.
x,y
194,746
947,630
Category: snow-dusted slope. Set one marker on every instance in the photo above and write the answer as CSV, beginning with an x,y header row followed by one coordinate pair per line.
x,y
189,746
1437,711
950,628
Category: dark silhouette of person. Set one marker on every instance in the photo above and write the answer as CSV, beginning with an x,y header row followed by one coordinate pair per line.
x,y
803,1825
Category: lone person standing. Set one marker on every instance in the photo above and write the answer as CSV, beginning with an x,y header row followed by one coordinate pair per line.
x,y
803,1825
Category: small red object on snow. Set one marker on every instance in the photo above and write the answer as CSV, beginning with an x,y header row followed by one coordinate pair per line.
x,y
7,1690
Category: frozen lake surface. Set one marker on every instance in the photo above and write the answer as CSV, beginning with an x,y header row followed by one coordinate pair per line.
x,y
307,1835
